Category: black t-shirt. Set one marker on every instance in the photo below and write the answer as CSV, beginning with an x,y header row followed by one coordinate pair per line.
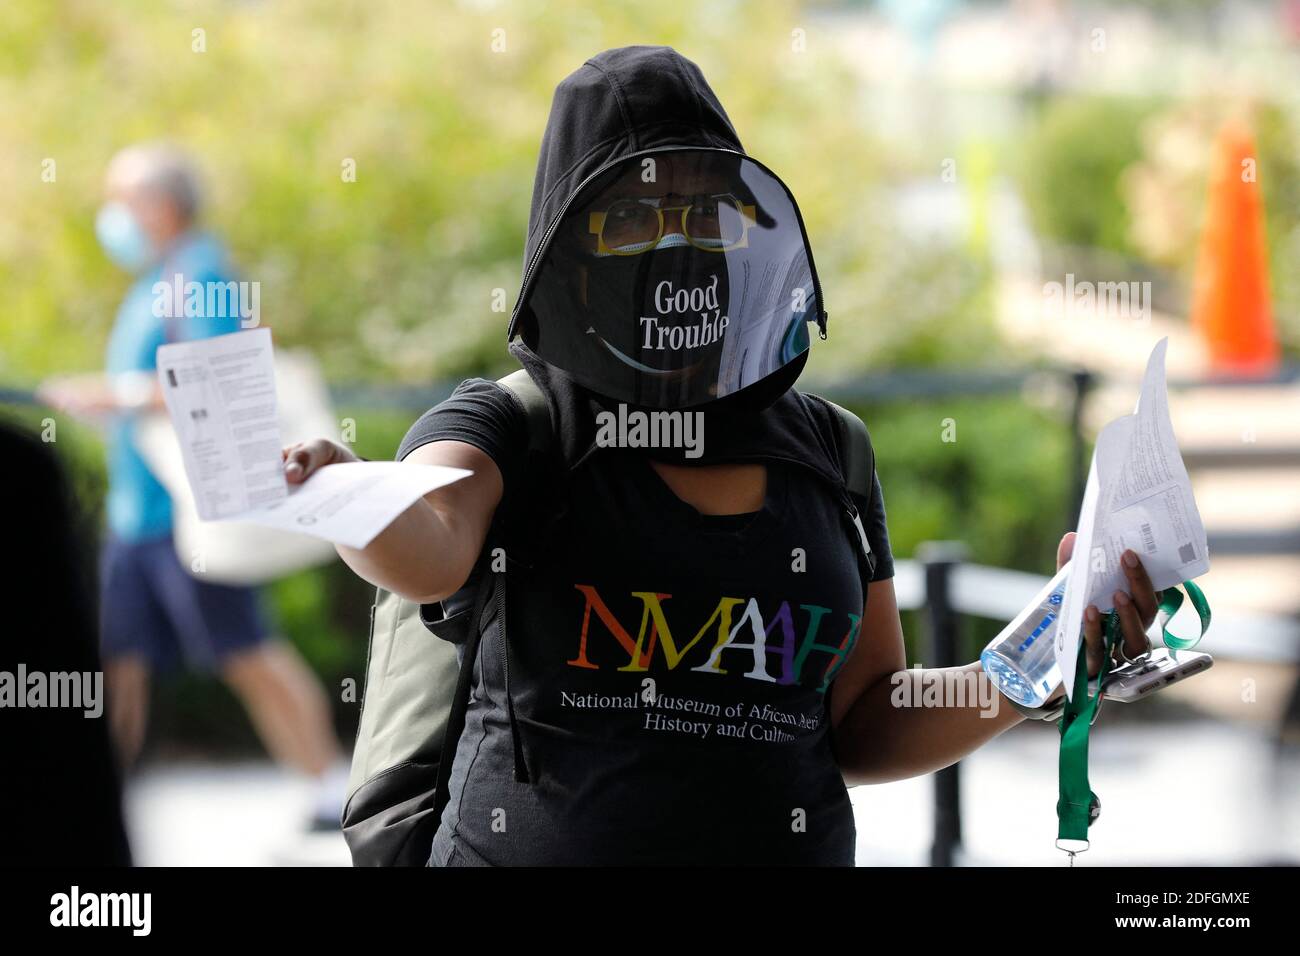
x,y
668,671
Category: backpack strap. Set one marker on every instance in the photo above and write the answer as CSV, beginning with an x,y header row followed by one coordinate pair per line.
x,y
540,438
460,702
537,410
857,460
857,457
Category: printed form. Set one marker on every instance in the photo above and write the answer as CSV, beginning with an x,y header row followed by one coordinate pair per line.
x,y
1138,496
220,395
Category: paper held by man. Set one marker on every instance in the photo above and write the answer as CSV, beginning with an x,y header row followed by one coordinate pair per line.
x,y
1138,496
220,395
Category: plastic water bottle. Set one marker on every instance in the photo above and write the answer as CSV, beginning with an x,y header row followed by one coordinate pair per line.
x,y
1021,661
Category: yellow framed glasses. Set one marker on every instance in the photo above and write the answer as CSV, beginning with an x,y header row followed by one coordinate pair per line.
x,y
717,223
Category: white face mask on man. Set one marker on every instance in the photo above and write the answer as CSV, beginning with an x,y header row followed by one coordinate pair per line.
x,y
122,237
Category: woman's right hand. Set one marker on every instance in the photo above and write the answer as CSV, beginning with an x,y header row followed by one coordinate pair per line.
x,y
304,458
450,522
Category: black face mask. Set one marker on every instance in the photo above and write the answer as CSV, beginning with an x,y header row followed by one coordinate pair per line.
x,y
675,344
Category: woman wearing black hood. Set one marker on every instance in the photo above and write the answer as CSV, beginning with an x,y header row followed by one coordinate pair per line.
x,y
699,641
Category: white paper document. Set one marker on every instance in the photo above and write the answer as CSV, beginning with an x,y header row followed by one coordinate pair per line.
x,y
1138,496
220,395
351,502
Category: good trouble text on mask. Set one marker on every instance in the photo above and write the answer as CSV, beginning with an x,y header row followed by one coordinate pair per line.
x,y
670,301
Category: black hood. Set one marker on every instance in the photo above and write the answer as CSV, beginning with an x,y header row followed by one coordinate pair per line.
x,y
619,103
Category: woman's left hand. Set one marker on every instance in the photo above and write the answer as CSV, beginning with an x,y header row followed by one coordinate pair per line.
x,y
1137,609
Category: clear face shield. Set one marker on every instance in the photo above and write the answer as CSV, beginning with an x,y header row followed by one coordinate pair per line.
x,y
674,278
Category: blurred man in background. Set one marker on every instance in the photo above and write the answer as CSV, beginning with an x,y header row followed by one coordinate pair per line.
x,y
153,611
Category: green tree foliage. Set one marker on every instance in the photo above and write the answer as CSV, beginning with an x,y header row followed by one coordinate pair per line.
x,y
1070,166
441,109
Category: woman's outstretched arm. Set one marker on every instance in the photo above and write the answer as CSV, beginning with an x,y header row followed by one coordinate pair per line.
x,y
429,551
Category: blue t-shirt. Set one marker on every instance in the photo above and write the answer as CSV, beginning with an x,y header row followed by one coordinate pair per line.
x,y
138,505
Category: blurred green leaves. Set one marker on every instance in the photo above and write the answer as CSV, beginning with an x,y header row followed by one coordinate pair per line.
x,y
389,277
1070,166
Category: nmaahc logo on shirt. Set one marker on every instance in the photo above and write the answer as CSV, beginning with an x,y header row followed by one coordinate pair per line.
x,y
778,650
75,908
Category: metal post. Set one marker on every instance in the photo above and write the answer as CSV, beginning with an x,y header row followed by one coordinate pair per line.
x,y
939,558
1083,382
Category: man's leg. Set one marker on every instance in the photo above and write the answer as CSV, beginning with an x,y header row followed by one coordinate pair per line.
x,y
126,683
136,639
222,628
286,703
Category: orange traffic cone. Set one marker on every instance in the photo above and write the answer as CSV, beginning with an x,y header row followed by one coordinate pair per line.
x,y
1231,307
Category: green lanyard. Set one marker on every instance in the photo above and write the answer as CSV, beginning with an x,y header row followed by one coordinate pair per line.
x,y
1078,806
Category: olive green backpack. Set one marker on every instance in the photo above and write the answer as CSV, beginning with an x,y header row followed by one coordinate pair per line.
x,y
413,707
416,691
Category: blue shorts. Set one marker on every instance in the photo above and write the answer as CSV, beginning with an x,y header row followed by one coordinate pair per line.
x,y
150,606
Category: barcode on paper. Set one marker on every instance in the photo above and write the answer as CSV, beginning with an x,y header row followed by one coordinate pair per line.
x,y
1148,538
1187,553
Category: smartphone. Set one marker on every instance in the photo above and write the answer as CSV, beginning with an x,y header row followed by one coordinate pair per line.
x,y
1144,677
